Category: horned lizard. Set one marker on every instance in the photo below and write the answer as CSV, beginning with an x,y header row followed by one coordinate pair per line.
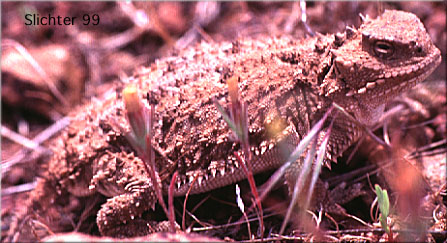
x,y
287,83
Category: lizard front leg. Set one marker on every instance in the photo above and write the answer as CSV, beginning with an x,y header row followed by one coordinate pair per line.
x,y
120,215
122,177
322,196
329,200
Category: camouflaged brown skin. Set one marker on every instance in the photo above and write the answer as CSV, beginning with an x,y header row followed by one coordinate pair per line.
x,y
288,84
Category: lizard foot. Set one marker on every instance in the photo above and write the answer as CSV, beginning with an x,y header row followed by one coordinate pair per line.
x,y
119,216
341,194
124,223
122,177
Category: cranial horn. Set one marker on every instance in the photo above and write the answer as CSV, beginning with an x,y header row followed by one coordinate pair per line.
x,y
363,18
350,32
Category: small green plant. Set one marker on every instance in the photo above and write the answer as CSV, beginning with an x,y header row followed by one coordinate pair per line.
x,y
384,207
141,119
238,123
238,118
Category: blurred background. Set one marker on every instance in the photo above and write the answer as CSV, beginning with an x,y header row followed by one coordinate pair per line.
x,y
49,70
78,58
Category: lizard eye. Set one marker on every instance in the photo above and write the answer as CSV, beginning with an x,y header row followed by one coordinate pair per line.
x,y
383,49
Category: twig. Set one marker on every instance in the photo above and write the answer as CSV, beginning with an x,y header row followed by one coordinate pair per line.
x,y
200,203
239,222
205,12
17,138
275,238
333,220
355,149
144,22
186,199
350,175
299,184
293,18
35,223
40,138
420,150
358,219
43,75
19,188
380,230
204,35
119,40
204,224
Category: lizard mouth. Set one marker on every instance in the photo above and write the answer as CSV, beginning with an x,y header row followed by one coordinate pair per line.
x,y
397,81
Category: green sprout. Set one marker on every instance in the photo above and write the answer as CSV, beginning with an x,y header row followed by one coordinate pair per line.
x,y
141,120
384,207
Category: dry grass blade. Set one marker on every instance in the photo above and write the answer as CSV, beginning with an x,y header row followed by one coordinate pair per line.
x,y
18,189
17,138
304,18
299,184
40,138
205,13
241,206
214,227
293,18
254,191
304,143
319,162
151,161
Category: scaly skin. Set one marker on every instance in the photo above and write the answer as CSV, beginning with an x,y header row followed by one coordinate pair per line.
x,y
288,85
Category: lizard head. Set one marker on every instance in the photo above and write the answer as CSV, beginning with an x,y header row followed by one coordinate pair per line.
x,y
385,57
